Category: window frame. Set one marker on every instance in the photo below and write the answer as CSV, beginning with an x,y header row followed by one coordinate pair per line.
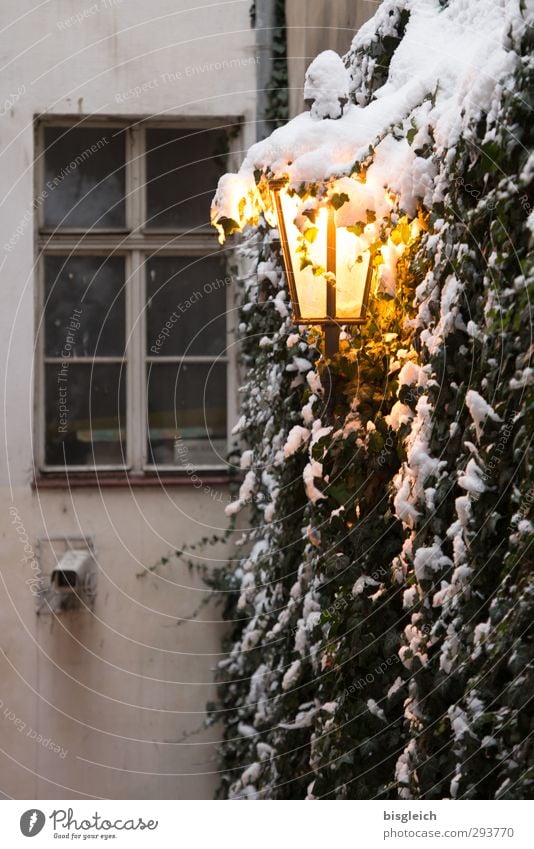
x,y
137,244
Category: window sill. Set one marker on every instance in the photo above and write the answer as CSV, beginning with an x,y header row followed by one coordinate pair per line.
x,y
100,480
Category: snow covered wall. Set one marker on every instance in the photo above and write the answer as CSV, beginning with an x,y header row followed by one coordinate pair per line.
x,y
382,612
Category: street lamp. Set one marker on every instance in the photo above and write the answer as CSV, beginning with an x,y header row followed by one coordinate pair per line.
x,y
329,277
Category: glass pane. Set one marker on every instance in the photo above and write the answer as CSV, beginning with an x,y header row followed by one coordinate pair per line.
x,y
187,414
311,289
84,183
352,266
85,414
183,168
84,308
186,306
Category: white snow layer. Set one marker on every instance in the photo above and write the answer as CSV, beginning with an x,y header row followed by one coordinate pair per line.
x,y
442,75
326,88
479,410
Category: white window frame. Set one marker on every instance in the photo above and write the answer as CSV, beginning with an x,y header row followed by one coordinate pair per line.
x,y
137,245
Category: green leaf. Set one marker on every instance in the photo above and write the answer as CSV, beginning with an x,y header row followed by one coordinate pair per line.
x,y
357,228
229,226
338,199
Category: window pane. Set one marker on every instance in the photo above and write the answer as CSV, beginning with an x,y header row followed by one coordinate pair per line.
x,y
84,184
186,306
84,309
187,414
183,167
85,414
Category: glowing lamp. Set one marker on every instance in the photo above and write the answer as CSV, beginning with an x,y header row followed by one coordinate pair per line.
x,y
329,277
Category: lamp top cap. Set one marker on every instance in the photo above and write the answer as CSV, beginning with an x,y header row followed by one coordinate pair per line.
x,y
326,87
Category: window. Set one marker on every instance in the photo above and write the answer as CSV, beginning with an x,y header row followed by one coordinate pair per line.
x,y
133,294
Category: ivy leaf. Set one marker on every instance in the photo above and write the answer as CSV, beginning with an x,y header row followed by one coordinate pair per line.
x,y
340,493
229,226
338,199
412,132
357,228
311,234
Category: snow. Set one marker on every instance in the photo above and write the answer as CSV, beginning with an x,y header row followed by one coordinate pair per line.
x,y
455,783
395,687
479,410
463,511
307,150
404,509
375,710
313,380
472,478
303,719
412,374
404,771
362,582
296,438
480,636
280,304
246,730
251,774
292,675
245,494
265,752
400,414
268,513
429,560
410,597
246,459
525,378
313,470
240,426
449,318
268,271
326,87
319,432
307,410
459,723
299,364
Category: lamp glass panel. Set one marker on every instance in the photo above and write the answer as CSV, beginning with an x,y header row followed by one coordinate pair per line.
x,y
351,274
311,290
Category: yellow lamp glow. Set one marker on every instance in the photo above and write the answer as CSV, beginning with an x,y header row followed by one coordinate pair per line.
x,y
330,280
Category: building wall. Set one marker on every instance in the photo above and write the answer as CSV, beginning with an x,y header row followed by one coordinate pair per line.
x,y
316,25
114,691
